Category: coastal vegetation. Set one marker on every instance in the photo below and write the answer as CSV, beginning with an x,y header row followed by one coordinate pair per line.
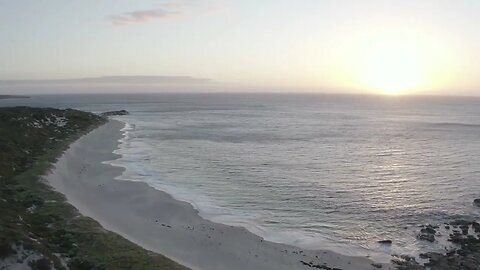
x,y
38,228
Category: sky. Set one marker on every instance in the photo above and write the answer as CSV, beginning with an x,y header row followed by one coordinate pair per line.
x,y
389,47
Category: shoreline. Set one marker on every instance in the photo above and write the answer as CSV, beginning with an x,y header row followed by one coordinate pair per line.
x,y
281,237
39,228
154,220
291,238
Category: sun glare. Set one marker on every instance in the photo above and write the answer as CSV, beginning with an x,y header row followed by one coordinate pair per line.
x,y
394,65
392,62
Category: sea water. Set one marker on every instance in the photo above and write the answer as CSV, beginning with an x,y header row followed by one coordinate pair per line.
x,y
337,172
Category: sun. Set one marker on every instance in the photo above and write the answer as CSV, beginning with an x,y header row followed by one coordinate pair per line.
x,y
394,65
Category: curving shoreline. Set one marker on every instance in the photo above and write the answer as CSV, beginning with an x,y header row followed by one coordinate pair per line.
x,y
291,238
155,221
38,228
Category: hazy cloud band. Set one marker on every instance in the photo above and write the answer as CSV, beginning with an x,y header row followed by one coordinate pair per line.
x,y
141,16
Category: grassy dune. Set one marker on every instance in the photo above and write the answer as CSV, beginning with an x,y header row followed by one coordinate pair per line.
x,y
37,227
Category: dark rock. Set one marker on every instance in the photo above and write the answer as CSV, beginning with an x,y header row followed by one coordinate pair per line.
x,y
476,202
451,253
408,258
318,266
406,262
423,255
464,229
456,237
377,265
476,227
429,229
426,236
385,242
112,113
460,222
434,257
462,252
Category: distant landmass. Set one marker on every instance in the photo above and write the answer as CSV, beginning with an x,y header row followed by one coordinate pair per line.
x,y
11,96
117,80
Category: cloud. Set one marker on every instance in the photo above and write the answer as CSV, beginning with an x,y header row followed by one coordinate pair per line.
x,y
170,10
167,11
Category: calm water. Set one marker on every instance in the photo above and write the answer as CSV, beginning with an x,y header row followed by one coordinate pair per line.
x,y
316,171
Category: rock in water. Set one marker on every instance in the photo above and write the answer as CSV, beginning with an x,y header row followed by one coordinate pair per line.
x,y
429,230
426,237
427,233
112,113
476,227
385,242
476,202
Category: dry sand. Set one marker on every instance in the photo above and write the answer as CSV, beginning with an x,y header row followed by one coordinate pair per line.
x,y
155,221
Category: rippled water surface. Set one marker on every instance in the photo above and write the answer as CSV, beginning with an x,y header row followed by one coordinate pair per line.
x,y
317,171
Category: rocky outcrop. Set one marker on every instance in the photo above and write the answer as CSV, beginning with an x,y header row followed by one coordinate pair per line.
x,y
465,254
427,233
112,113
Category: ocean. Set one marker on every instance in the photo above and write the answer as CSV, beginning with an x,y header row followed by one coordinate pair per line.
x,y
337,172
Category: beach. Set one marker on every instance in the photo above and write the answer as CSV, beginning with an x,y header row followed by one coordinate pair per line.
x,y
155,221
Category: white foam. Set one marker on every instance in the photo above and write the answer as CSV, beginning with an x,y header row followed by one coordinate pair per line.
x,y
135,170
134,156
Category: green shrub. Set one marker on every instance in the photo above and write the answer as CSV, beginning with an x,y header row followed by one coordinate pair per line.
x,y
41,264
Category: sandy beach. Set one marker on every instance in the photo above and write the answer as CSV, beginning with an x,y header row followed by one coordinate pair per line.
x,y
155,221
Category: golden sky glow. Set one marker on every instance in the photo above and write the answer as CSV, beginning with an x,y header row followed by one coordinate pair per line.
x,y
368,46
394,62
393,65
